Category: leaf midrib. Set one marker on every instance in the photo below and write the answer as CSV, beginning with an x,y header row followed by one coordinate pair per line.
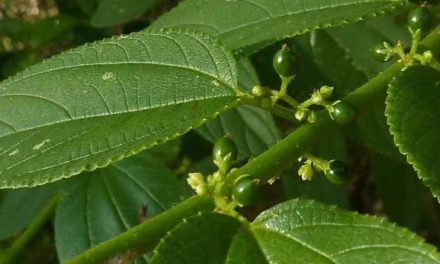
x,y
156,107
300,242
78,158
141,186
23,76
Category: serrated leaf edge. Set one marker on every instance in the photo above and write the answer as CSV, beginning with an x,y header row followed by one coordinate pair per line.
x,y
104,163
334,23
243,51
7,184
402,232
396,138
185,221
224,49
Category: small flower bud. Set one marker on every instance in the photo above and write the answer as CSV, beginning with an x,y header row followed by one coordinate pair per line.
x,y
197,182
311,118
317,97
427,55
381,52
306,172
301,114
259,91
326,91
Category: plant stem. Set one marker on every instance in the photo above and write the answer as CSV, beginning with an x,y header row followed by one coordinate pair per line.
x,y
145,235
284,84
415,36
265,166
292,102
282,93
10,254
271,163
282,112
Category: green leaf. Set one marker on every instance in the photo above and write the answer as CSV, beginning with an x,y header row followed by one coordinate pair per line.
x,y
114,12
412,113
251,128
316,233
203,238
108,100
19,207
245,249
297,231
107,202
266,21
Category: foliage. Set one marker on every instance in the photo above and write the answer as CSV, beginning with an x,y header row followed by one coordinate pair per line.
x,y
269,110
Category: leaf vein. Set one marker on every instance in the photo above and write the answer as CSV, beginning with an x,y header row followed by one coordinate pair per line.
x,y
148,192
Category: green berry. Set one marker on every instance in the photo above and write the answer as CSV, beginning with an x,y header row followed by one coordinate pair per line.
x,y
247,191
283,62
342,112
223,147
379,52
420,18
337,172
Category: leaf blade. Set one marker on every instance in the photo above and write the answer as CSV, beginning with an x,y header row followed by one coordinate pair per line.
x,y
18,207
89,96
412,115
211,235
116,196
296,231
267,21
338,236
